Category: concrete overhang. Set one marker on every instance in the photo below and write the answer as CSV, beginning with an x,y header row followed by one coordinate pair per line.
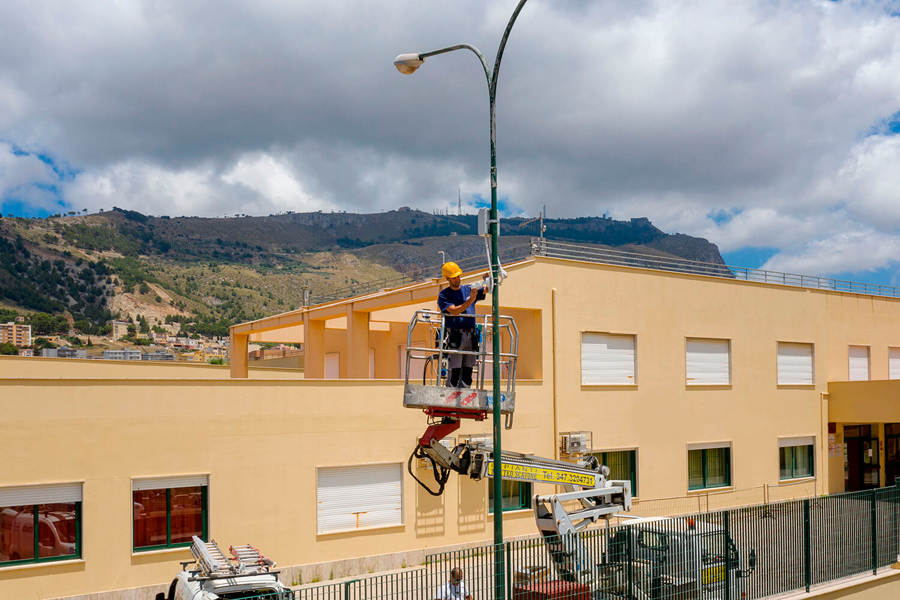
x,y
864,401
412,294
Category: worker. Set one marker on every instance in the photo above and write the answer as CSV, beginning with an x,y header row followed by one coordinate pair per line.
x,y
458,303
455,589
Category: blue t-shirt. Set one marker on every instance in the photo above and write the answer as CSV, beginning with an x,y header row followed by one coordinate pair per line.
x,y
450,297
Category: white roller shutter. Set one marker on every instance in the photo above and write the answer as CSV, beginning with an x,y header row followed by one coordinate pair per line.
x,y
359,497
165,483
795,364
24,495
894,363
807,440
607,359
859,363
708,362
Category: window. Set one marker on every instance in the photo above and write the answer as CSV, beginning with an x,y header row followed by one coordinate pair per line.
x,y
516,495
859,363
893,363
795,364
709,467
796,457
622,465
359,497
708,362
169,511
40,523
607,359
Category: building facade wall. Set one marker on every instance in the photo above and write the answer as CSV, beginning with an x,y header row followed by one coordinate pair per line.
x,y
262,439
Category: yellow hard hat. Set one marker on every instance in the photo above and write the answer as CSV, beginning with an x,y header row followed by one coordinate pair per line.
x,y
451,270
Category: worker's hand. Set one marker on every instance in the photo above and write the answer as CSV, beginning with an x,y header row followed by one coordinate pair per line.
x,y
485,276
473,293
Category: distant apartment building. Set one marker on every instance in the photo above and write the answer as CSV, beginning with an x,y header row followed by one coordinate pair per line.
x,y
159,355
16,334
124,354
64,352
119,329
184,343
26,352
280,351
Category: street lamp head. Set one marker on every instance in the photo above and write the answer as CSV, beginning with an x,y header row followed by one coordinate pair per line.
x,y
408,63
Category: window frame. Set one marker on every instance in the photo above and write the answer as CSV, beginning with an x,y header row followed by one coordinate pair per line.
x,y
36,559
868,362
634,360
204,518
325,469
692,381
812,357
526,491
791,444
704,449
602,456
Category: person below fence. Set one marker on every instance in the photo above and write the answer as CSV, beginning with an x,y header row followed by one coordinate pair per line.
x,y
454,589
458,302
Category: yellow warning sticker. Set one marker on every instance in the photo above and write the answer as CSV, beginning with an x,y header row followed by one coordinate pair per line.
x,y
526,473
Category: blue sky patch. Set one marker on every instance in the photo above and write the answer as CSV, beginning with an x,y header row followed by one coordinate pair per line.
x,y
722,216
17,208
749,257
504,206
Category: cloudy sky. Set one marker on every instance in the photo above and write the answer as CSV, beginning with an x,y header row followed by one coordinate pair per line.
x,y
770,128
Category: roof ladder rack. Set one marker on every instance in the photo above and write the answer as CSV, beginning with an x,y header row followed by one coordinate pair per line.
x,y
210,558
250,558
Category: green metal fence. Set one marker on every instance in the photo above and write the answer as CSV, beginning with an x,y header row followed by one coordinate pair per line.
x,y
739,554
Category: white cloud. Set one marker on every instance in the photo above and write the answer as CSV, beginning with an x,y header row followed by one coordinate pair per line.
x,y
868,183
667,109
850,252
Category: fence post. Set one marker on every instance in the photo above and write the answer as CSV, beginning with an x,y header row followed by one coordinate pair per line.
x,y
630,563
874,535
727,526
509,577
807,546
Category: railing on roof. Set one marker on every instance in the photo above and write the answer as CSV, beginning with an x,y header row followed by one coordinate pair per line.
x,y
680,265
606,256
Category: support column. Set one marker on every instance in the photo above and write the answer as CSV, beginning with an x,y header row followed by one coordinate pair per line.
x,y
313,348
238,356
357,344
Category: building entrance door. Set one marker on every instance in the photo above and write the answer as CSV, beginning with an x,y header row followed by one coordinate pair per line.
x,y
863,462
891,452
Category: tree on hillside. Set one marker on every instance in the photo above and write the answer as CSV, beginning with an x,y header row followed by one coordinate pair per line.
x,y
7,349
44,324
41,343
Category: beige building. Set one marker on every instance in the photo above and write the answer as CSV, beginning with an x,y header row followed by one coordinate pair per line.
x,y
16,334
119,329
689,383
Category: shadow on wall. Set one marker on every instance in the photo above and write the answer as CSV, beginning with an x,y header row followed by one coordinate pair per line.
x,y
472,506
430,513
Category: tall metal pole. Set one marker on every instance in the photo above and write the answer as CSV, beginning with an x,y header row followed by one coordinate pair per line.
x,y
499,582
499,562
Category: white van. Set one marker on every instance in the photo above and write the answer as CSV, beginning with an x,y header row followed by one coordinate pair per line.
x,y
675,558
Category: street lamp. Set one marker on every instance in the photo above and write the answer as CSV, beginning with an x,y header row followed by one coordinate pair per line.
x,y
407,64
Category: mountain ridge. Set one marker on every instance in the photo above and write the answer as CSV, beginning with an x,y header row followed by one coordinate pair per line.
x,y
226,270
